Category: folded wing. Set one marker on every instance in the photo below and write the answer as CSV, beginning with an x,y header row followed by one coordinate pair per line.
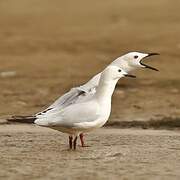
x,y
71,115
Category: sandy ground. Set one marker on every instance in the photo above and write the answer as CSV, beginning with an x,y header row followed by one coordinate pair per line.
x,y
30,152
46,48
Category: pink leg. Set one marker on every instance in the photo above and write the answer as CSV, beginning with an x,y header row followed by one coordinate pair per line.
x,y
75,142
82,140
70,142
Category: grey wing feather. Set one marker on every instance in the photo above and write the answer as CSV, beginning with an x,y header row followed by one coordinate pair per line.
x,y
67,98
64,101
74,95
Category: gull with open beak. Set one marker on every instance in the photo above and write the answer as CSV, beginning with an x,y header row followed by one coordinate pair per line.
x,y
128,62
134,60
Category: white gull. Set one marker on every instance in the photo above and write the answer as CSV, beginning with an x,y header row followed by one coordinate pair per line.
x,y
85,116
128,62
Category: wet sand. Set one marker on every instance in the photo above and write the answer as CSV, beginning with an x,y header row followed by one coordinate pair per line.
x,y
31,152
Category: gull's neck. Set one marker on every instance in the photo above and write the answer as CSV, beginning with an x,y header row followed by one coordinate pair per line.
x,y
105,90
123,64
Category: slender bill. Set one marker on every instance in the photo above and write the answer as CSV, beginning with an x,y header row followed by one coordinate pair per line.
x,y
147,66
130,75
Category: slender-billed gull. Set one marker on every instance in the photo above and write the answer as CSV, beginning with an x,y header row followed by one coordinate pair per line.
x,y
128,62
85,116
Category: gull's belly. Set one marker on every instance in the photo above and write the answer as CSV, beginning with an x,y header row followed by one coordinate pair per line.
x,y
83,127
74,130
68,130
88,126
99,123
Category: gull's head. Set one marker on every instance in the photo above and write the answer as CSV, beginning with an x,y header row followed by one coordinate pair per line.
x,y
133,60
115,73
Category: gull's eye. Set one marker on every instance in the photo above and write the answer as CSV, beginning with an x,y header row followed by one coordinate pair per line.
x,y
135,57
119,70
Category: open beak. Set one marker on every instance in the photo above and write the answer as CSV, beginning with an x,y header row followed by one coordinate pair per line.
x,y
147,66
130,75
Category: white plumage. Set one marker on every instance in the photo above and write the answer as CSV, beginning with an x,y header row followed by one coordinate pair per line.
x,y
128,62
85,116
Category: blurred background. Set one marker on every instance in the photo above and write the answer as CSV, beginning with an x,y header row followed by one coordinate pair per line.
x,y
48,47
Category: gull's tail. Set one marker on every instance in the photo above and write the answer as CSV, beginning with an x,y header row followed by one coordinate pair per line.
x,y
22,119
